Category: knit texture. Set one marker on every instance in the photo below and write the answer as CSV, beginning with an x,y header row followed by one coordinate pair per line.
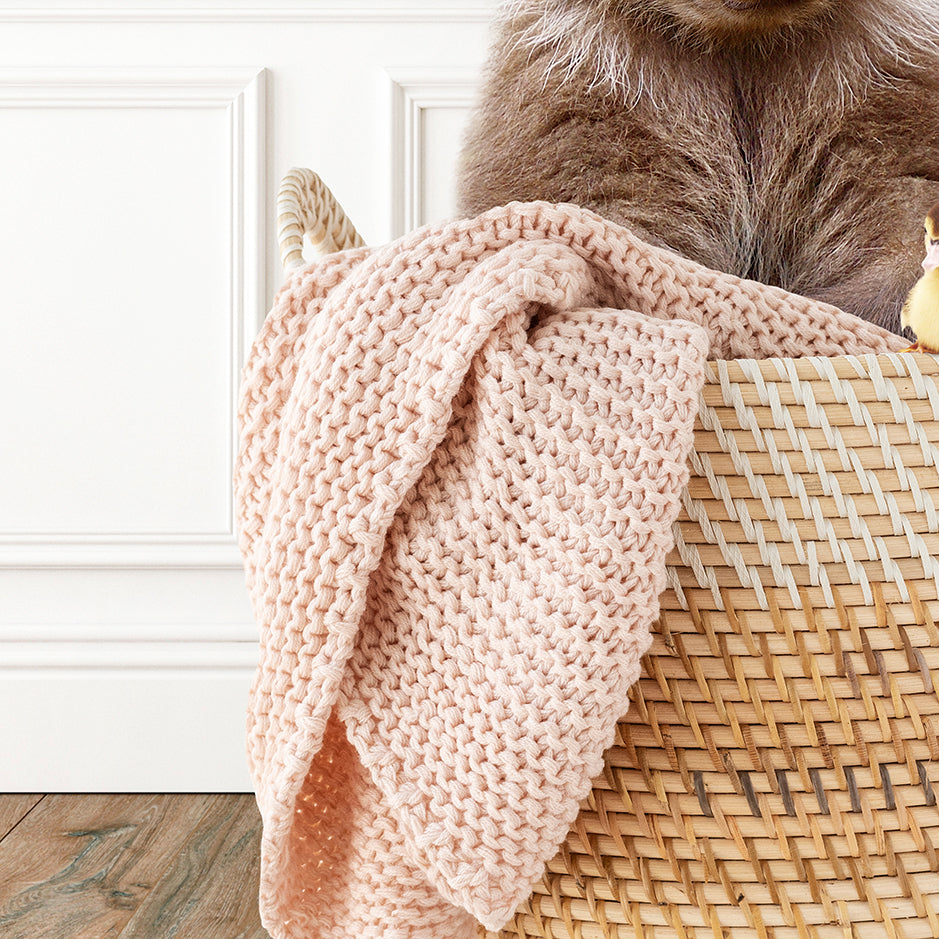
x,y
462,455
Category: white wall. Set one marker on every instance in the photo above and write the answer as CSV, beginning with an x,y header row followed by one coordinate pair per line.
x,y
140,152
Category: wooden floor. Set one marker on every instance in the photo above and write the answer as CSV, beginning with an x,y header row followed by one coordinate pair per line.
x,y
129,866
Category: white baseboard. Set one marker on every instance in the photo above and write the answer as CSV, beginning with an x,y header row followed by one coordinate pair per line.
x,y
124,717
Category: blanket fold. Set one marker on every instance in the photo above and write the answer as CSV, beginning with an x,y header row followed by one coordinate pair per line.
x,y
461,458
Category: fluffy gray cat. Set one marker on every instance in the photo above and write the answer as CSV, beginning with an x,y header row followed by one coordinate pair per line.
x,y
793,142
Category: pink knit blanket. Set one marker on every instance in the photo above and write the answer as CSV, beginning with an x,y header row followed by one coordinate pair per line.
x,y
462,455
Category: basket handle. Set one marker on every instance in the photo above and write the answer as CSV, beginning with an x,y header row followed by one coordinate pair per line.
x,y
305,205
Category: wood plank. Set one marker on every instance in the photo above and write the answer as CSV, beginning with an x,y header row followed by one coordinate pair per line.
x,y
79,866
14,807
211,889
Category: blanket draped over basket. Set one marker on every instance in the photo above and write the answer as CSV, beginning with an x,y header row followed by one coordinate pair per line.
x,y
461,458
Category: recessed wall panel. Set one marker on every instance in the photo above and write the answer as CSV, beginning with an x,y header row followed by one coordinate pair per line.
x,y
441,141
115,253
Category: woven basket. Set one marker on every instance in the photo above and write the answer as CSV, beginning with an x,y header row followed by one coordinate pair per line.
x,y
775,777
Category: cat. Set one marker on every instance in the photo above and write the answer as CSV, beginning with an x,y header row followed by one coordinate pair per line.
x,y
792,142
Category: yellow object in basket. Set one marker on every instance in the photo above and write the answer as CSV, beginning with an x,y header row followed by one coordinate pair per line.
x,y
921,310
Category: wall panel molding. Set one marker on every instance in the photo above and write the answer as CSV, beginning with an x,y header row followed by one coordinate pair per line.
x,y
126,633
123,655
298,11
414,93
117,553
240,94
127,639
130,87
124,730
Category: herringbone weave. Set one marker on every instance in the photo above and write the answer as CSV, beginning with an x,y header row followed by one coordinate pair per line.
x,y
461,458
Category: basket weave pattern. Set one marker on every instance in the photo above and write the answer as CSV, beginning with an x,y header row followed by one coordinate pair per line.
x,y
306,206
774,775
